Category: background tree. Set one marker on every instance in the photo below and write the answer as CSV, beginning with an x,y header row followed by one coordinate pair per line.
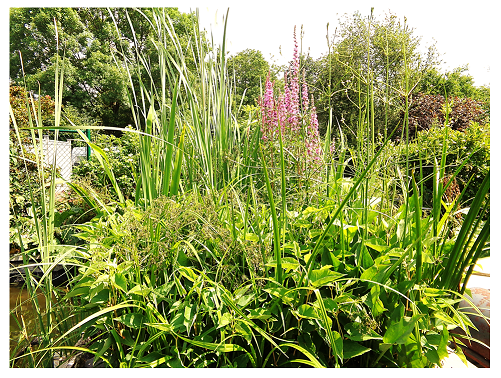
x,y
94,83
250,69
455,83
369,53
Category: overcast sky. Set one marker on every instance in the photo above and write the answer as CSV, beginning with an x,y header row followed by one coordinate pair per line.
x,y
463,34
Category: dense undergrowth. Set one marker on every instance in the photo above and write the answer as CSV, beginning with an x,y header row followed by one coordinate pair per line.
x,y
226,249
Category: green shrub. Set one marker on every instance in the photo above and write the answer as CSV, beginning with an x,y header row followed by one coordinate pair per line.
x,y
23,173
425,111
473,143
123,155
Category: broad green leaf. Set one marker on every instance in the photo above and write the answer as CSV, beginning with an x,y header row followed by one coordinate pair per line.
x,y
432,356
164,290
329,304
399,332
259,313
189,316
284,294
306,311
132,320
178,320
225,319
101,296
244,300
460,354
244,330
252,237
287,263
375,302
323,276
376,244
302,223
369,274
76,291
338,341
400,229
119,281
139,290
352,349
442,346
366,260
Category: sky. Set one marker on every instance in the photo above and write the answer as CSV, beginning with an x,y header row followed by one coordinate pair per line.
x,y
463,34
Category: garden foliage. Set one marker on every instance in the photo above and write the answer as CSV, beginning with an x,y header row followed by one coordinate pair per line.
x,y
207,264
428,110
123,157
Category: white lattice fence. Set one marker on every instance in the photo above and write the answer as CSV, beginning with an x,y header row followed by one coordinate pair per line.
x,y
65,157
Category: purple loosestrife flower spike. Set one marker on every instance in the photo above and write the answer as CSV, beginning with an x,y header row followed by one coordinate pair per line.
x,y
294,89
305,94
314,150
282,114
269,115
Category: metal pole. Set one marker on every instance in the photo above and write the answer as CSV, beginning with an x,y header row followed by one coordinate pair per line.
x,y
87,132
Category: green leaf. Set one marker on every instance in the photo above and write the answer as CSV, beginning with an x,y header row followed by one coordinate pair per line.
x,y
259,313
244,300
374,302
329,304
302,223
376,244
432,356
284,294
188,273
399,332
442,346
251,237
306,311
166,327
155,359
244,330
312,360
164,290
352,349
119,281
139,290
76,291
189,316
368,274
132,320
101,296
323,276
224,320
287,263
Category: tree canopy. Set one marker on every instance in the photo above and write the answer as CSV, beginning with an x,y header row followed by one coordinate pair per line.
x,y
382,55
89,39
249,69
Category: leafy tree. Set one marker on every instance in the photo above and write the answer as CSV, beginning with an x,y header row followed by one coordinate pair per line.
x,y
382,55
250,70
89,41
455,83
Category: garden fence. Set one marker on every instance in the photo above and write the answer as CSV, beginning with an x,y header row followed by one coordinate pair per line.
x,y
66,152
